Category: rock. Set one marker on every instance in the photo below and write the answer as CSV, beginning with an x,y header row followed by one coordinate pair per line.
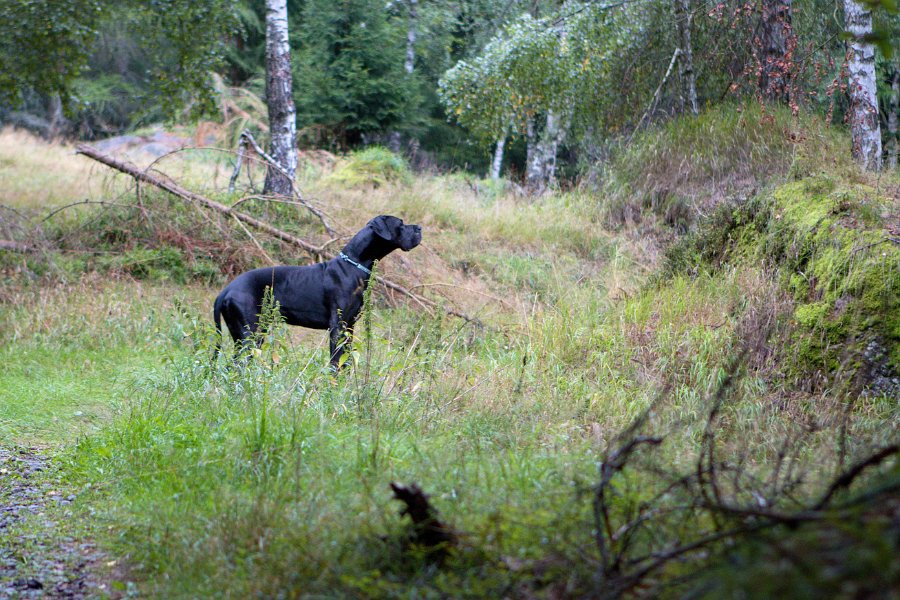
x,y
155,145
28,584
58,565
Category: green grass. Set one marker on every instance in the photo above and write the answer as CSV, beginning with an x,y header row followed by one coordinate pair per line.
x,y
57,395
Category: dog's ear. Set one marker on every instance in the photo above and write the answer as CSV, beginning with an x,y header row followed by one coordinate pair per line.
x,y
386,226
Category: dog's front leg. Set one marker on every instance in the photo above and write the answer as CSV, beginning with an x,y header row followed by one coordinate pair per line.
x,y
337,331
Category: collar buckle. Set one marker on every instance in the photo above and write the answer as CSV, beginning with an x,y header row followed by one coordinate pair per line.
x,y
346,258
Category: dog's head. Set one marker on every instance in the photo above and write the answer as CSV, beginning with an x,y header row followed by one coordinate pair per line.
x,y
392,229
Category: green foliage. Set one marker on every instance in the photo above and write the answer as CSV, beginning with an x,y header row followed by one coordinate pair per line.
x,y
525,70
349,72
46,47
374,166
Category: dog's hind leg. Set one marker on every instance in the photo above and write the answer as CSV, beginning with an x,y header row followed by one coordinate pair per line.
x,y
242,324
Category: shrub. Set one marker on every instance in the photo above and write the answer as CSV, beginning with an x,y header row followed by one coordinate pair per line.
x,y
374,167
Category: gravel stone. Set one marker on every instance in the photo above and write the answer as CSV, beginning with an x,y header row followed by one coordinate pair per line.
x,y
57,565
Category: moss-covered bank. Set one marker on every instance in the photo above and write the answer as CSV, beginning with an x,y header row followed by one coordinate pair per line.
x,y
833,248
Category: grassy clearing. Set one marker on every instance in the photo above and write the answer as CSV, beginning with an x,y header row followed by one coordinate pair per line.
x,y
273,479
677,173
36,174
74,353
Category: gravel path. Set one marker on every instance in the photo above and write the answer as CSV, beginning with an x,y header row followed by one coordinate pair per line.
x,y
38,556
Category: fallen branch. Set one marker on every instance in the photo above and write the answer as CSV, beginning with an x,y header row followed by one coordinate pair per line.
x,y
656,94
246,138
185,194
316,252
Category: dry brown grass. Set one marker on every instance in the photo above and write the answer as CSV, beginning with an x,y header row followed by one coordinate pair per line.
x,y
38,174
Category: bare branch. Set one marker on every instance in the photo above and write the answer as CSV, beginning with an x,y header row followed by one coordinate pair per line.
x,y
274,164
847,478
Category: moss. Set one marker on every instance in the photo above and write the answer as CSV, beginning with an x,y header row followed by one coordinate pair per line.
x,y
827,243
372,167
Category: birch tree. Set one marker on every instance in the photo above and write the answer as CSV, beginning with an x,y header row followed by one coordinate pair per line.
x,y
411,33
893,107
280,102
521,84
684,19
865,128
497,161
776,49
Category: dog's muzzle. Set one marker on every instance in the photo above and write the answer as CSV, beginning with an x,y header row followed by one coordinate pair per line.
x,y
412,237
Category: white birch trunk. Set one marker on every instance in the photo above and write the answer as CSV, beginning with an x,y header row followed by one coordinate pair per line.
x,y
540,168
497,163
552,138
865,129
684,18
411,33
532,172
893,142
279,99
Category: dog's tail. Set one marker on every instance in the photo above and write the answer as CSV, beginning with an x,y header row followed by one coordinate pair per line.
x,y
217,318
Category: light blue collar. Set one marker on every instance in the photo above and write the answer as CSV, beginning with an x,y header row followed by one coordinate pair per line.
x,y
346,258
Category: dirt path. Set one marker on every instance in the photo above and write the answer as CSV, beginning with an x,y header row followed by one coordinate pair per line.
x,y
38,556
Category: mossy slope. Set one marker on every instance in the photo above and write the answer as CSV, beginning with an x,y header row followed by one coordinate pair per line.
x,y
831,248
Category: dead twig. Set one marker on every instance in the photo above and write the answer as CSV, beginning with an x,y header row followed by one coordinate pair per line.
x,y
255,242
847,478
248,137
55,211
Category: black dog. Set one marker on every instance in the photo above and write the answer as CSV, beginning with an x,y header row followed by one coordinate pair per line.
x,y
326,295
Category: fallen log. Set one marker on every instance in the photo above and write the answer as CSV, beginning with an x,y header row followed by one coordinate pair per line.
x,y
185,194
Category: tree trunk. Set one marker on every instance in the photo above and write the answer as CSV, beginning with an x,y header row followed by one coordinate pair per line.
x,y
893,107
777,45
684,19
280,102
865,130
552,138
542,147
411,33
532,173
56,117
497,163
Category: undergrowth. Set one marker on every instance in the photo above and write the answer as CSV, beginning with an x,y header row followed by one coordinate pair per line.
x,y
829,247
